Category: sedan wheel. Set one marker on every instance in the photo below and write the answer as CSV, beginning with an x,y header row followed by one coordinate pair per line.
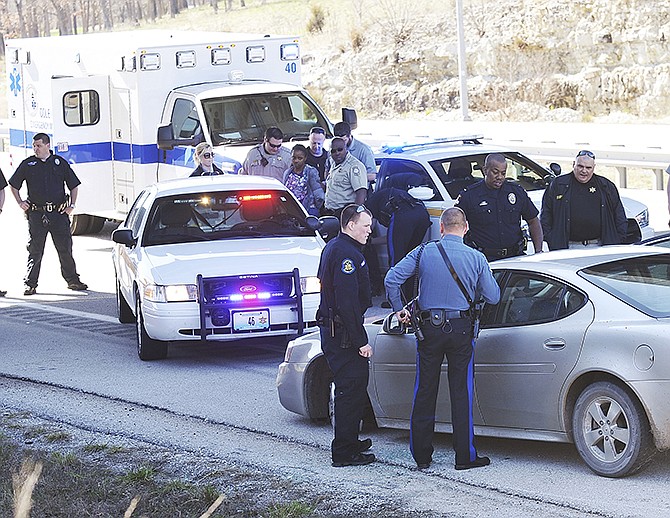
x,y
147,347
611,431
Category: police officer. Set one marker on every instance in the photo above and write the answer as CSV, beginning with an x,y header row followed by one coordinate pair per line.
x,y
3,184
405,217
447,330
494,208
48,210
347,181
345,296
269,158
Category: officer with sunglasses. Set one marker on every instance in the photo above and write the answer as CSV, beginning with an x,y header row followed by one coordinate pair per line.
x,y
269,158
582,209
347,180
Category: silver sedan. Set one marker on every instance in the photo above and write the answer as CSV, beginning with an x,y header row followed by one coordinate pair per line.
x,y
575,351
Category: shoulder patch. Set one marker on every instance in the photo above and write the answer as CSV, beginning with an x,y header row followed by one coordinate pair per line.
x,y
348,266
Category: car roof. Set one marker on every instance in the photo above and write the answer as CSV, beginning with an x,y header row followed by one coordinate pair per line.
x,y
578,259
231,182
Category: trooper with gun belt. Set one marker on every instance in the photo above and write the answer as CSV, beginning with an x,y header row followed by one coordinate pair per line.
x,y
451,277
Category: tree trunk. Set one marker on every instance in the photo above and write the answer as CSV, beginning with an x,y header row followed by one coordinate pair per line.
x,y
106,11
22,21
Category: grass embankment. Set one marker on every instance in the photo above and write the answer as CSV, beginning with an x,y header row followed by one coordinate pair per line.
x,y
47,472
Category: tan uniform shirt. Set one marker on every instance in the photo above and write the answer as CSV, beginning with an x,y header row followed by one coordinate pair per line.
x,y
343,182
275,166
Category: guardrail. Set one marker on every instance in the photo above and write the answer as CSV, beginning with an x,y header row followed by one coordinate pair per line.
x,y
623,146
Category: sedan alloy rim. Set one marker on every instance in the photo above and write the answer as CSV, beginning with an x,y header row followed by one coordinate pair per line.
x,y
606,429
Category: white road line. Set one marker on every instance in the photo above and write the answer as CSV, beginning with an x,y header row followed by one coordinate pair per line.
x,y
63,311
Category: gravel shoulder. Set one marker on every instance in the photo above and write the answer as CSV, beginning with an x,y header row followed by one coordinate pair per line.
x,y
258,473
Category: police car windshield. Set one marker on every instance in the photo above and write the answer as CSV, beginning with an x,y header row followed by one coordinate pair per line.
x,y
222,215
456,173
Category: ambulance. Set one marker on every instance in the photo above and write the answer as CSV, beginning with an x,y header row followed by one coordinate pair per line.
x,y
127,109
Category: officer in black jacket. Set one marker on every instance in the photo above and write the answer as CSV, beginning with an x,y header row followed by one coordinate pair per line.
x,y
345,296
48,210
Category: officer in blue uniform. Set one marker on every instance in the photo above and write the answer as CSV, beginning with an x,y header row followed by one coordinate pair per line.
x,y
405,217
447,330
345,296
48,210
494,208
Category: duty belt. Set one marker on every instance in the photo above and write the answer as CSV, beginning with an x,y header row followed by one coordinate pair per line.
x,y
503,252
586,242
49,207
446,314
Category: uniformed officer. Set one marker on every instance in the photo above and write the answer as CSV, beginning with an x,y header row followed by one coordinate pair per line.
x,y
345,296
347,181
358,149
269,158
447,330
3,184
405,217
494,208
48,210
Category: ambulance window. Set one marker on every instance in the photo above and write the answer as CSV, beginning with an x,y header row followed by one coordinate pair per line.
x,y
185,120
81,108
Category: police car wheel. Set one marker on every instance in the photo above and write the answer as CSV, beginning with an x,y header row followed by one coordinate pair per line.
x,y
147,347
123,311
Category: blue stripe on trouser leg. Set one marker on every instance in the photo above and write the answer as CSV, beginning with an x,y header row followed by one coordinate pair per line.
x,y
389,241
460,369
471,391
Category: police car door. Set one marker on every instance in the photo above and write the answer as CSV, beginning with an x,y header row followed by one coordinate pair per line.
x,y
82,135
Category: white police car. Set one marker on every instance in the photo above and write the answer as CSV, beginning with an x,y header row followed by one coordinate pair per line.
x,y
217,258
444,167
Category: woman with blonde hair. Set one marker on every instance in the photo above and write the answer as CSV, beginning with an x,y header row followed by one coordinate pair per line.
x,y
204,157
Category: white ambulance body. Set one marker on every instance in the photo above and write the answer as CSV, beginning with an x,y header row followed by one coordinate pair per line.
x,y
126,109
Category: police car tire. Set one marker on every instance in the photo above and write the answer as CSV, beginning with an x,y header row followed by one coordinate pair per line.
x,y
123,311
147,348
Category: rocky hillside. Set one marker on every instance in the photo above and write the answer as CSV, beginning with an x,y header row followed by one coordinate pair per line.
x,y
526,60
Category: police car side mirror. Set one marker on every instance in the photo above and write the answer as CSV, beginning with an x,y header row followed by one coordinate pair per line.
x,y
124,236
555,168
329,226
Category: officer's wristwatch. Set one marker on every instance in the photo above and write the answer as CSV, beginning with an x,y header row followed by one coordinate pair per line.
x,y
72,206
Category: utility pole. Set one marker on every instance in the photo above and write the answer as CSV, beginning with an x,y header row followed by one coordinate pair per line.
x,y
462,63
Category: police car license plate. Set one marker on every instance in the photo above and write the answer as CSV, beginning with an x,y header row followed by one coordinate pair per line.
x,y
251,320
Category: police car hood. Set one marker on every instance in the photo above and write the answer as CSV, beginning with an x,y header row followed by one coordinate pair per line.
x,y
181,263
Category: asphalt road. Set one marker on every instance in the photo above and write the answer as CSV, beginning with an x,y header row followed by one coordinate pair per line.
x,y
65,357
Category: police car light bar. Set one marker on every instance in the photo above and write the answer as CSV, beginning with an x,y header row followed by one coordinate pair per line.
x,y
401,148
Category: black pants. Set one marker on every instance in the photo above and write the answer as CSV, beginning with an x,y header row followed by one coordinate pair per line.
x,y
58,225
406,231
350,374
454,341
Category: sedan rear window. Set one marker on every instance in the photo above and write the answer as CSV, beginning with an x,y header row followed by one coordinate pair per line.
x,y
224,215
642,282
